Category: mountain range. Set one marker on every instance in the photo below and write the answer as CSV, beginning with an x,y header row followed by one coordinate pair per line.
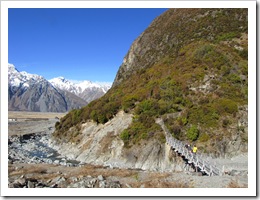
x,y
31,92
86,90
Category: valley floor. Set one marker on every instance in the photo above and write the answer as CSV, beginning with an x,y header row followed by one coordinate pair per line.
x,y
31,163
51,175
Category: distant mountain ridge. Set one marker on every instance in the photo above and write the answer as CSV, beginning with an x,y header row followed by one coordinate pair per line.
x,y
31,92
87,90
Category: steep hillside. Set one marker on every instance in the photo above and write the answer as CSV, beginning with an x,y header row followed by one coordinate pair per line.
x,y
188,67
178,27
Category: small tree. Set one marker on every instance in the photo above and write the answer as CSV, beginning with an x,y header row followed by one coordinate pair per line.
x,y
193,133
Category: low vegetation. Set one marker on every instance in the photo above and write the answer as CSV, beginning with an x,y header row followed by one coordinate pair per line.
x,y
203,81
236,184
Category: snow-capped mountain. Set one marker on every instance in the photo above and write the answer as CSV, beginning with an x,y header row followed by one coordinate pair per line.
x,y
18,79
31,92
87,90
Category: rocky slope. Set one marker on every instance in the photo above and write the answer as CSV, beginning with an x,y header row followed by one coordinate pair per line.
x,y
174,29
101,145
189,67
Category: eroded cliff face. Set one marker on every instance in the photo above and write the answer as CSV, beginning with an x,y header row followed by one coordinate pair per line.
x,y
100,145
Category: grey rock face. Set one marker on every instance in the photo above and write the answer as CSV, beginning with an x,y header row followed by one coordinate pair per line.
x,y
101,149
40,97
91,94
28,92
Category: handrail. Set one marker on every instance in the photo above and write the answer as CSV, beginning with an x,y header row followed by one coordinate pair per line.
x,y
196,159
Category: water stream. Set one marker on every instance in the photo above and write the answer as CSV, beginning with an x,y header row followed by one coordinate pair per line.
x,y
33,148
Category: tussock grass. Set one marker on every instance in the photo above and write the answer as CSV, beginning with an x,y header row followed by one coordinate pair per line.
x,y
236,184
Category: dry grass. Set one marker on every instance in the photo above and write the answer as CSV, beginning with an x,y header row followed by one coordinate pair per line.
x,y
134,178
106,142
31,122
164,184
236,184
33,115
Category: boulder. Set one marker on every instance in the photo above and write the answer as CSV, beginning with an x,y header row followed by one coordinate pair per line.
x,y
30,184
100,178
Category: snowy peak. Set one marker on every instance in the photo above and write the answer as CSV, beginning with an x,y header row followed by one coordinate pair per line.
x,y
16,78
79,88
63,84
11,68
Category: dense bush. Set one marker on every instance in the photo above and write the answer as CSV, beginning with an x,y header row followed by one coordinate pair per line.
x,y
128,102
205,115
57,125
193,133
125,136
226,106
204,137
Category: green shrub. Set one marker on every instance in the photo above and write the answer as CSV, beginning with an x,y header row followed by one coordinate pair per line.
x,y
182,121
161,138
226,106
144,135
225,123
125,136
128,102
228,36
234,78
76,115
102,118
178,100
144,106
207,115
202,51
204,137
94,115
215,116
244,54
193,133
176,130
57,125
164,106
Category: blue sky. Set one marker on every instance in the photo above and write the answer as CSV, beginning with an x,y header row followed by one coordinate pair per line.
x,y
78,44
